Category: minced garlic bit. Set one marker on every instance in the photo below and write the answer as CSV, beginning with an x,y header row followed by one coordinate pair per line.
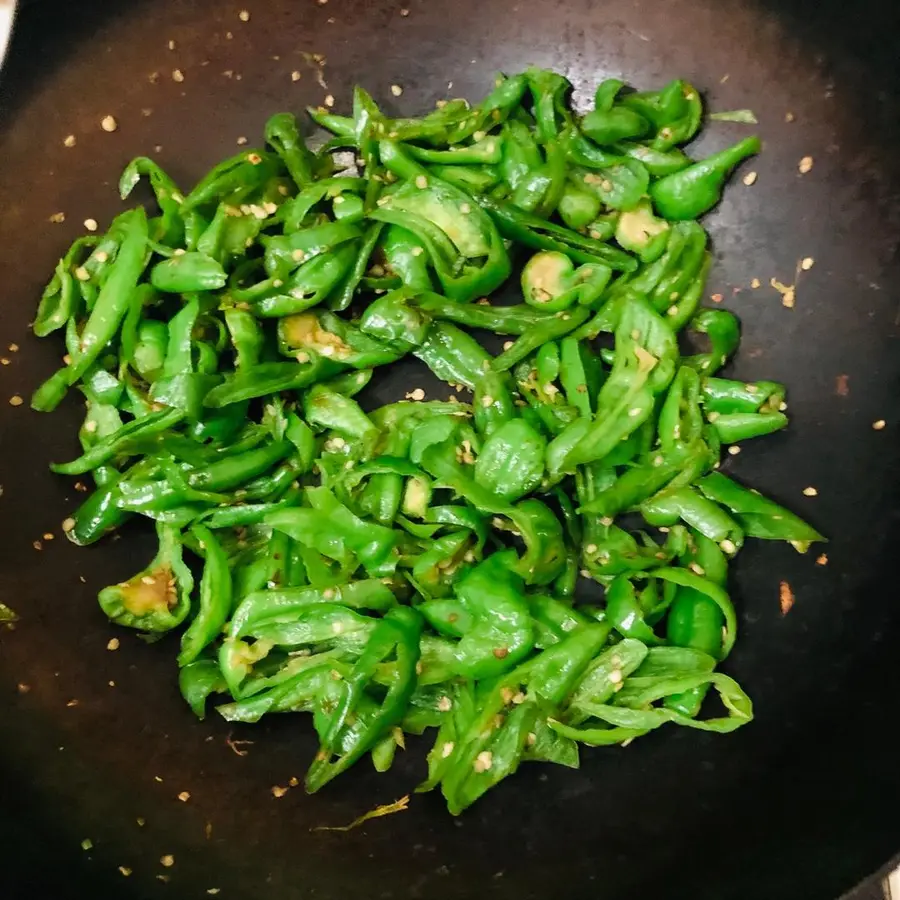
x,y
750,178
90,224
69,140
396,90
16,400
108,123
184,796
417,394
125,870
822,560
295,75
879,425
329,101
483,761
58,218
805,165
241,141
278,791
177,75
785,597
807,263
244,15
168,860
810,492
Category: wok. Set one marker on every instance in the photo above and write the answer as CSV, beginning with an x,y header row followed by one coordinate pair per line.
x,y
800,804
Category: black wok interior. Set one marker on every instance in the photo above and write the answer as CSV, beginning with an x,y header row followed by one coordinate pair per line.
x,y
802,803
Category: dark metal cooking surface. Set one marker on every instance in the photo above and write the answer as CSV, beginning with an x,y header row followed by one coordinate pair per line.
x,y
801,804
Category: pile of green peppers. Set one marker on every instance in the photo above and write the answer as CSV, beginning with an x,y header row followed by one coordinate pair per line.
x,y
539,566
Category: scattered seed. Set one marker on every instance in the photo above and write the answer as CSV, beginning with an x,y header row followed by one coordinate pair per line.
x,y
113,644
785,597
212,891
807,263
58,218
754,284
487,401
69,140
728,546
168,860
734,450
396,90
90,224
810,492
405,13
717,298
616,676
108,123
184,796
295,75
697,568
417,394
750,178
805,165
16,400
177,75
879,424
171,45
788,117
278,791
125,870
241,141
421,182
787,291
329,101
244,15
483,761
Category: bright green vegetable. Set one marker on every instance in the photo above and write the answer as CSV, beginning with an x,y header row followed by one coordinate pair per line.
x,y
391,569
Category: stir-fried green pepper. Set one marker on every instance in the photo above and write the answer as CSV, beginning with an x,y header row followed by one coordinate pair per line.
x,y
543,566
